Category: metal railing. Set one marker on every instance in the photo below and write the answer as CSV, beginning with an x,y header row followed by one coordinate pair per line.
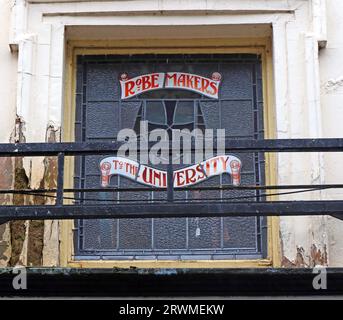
x,y
170,207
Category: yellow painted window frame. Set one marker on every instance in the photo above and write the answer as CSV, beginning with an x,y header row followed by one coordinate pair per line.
x,y
260,46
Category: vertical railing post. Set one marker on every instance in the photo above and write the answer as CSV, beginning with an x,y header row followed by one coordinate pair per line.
x,y
60,178
170,175
170,183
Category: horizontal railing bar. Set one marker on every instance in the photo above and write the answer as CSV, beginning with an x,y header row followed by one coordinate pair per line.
x,y
231,145
174,210
204,188
2,221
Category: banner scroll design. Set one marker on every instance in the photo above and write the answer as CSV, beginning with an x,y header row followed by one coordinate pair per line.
x,y
169,80
184,177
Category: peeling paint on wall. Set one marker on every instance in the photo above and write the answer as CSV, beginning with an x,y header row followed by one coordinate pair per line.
x,y
51,227
18,132
35,237
5,245
318,257
34,243
300,258
21,181
298,262
333,85
18,228
6,182
315,257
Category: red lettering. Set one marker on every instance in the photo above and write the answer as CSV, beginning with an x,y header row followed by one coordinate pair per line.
x,y
131,169
154,177
199,169
147,175
157,178
214,163
154,80
146,83
181,82
115,164
171,77
177,177
204,84
224,162
190,176
172,80
164,182
189,82
196,83
129,85
207,167
214,87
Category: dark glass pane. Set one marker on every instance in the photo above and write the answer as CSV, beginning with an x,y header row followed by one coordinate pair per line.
x,y
170,233
211,112
155,112
102,82
135,233
133,195
237,118
184,112
240,232
102,120
204,233
129,114
100,234
237,81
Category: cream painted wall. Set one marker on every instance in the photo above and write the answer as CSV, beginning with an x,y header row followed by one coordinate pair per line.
x,y
8,67
8,75
331,80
